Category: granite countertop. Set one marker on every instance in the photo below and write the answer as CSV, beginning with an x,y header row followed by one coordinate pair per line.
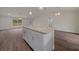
x,y
41,30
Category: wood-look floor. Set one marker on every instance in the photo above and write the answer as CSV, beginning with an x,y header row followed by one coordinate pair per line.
x,y
65,41
11,40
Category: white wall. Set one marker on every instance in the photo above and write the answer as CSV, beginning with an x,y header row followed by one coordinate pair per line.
x,y
28,22
42,21
67,21
6,22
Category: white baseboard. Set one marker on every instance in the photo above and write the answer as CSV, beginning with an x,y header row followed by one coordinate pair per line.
x,y
11,28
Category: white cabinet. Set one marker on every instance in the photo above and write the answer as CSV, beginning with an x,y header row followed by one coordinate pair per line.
x,y
39,41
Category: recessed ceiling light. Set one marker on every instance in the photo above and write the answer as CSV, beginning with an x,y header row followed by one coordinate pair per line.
x,y
30,12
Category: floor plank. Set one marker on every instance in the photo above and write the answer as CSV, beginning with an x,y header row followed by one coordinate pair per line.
x,y
65,41
11,40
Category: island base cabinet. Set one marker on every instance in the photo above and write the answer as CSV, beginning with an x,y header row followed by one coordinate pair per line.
x,y
38,41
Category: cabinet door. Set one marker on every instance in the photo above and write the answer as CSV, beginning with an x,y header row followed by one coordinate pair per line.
x,y
24,34
27,36
37,42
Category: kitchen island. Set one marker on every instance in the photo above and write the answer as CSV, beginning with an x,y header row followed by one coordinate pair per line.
x,y
39,39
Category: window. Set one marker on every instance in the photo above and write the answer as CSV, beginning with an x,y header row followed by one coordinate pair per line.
x,y
17,22
14,22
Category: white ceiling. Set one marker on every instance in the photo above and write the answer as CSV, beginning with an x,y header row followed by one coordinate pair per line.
x,y
24,11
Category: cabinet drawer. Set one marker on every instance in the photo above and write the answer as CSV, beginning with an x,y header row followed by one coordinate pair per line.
x,y
37,33
37,42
